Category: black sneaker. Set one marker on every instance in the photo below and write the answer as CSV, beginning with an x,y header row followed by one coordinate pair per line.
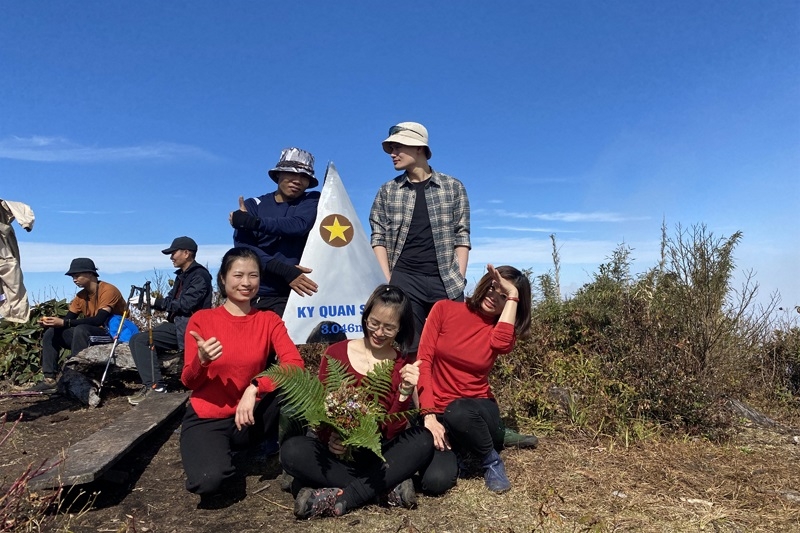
x,y
46,386
312,503
137,398
403,495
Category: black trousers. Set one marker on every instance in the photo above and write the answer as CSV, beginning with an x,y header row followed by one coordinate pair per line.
x,y
165,337
207,443
423,292
366,477
75,339
473,425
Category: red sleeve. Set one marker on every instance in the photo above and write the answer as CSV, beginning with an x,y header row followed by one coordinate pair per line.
x,y
193,374
427,348
284,348
503,338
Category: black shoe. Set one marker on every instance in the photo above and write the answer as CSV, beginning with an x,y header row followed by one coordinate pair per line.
x,y
403,495
311,503
512,439
46,386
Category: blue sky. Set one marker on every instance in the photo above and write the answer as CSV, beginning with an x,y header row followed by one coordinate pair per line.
x,y
125,124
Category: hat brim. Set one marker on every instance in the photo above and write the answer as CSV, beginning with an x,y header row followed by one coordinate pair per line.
x,y
399,138
312,181
169,251
81,271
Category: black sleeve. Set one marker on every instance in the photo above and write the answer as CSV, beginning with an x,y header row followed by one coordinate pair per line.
x,y
279,268
99,320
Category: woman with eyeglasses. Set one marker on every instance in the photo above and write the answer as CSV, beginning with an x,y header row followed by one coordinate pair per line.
x,y
326,485
458,348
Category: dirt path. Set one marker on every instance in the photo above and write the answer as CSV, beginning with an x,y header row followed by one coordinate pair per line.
x,y
567,484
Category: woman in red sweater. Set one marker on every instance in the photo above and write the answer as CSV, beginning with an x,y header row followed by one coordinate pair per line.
x,y
459,345
326,485
226,347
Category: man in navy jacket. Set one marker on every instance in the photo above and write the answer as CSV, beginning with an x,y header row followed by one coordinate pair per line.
x,y
276,227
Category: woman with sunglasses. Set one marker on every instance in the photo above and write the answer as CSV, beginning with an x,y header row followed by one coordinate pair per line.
x,y
459,345
326,485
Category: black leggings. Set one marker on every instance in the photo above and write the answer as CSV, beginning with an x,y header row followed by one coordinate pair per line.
x,y
206,443
472,425
366,477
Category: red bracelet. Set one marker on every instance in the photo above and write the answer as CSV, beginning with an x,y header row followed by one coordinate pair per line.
x,y
512,299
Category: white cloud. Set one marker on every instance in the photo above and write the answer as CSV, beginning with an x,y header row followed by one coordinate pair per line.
x,y
51,149
595,216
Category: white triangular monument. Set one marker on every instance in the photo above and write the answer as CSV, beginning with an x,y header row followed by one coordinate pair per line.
x,y
343,266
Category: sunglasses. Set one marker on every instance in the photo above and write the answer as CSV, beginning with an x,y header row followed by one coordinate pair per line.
x,y
397,129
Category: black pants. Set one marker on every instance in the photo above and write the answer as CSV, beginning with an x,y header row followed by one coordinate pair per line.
x,y
207,443
422,292
165,337
75,339
366,477
473,425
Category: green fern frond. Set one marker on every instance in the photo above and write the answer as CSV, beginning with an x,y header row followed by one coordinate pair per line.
x,y
337,375
378,381
367,435
303,393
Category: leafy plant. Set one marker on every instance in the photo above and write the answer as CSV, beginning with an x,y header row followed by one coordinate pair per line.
x,y
21,344
353,411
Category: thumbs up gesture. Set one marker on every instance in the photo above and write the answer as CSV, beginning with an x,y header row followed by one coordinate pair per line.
x,y
241,219
410,375
207,350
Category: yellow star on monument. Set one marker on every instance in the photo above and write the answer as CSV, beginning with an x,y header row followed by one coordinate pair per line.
x,y
337,230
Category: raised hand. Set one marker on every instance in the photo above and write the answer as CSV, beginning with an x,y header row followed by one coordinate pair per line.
x,y
499,282
410,375
302,284
207,350
241,219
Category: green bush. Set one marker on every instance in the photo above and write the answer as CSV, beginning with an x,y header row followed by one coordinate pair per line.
x,y
21,344
631,355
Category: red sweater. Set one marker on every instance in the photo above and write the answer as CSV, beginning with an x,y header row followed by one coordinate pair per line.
x,y
458,349
392,403
246,342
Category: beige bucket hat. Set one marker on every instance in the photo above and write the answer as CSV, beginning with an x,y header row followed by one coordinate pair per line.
x,y
407,134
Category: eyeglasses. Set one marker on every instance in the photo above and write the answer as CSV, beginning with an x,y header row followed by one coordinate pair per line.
x,y
397,129
388,329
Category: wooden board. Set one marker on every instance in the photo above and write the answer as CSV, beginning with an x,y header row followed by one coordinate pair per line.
x,y
87,460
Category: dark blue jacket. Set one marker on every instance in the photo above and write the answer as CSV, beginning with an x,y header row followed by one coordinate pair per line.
x,y
279,239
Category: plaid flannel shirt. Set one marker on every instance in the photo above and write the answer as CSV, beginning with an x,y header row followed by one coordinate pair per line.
x,y
448,209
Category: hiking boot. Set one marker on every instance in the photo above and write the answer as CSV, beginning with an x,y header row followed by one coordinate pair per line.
x,y
46,386
137,398
512,439
494,473
403,495
311,503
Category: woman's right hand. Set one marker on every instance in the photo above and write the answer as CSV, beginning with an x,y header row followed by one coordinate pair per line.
x,y
335,444
436,428
207,350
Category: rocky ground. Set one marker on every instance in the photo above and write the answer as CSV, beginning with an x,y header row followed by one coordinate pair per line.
x,y
570,483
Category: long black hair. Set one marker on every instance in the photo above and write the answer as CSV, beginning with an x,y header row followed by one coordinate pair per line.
x,y
522,321
395,297
229,258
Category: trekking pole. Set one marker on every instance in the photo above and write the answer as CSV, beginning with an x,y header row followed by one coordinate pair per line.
x,y
116,338
149,316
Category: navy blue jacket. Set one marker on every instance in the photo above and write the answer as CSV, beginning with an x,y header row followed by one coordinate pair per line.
x,y
190,292
279,239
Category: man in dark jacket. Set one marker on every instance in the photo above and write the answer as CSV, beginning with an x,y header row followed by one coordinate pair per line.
x,y
190,292
276,226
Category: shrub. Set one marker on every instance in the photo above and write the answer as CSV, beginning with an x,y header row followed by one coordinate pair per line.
x,y
21,344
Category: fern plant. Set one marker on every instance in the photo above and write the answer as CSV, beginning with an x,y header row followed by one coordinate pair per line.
x,y
353,411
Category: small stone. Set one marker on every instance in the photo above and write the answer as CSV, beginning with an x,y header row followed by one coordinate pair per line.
x,y
619,494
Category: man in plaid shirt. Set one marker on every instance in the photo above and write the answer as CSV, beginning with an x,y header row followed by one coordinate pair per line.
x,y
420,225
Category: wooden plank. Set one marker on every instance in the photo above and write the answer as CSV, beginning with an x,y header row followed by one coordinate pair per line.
x,y
87,460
